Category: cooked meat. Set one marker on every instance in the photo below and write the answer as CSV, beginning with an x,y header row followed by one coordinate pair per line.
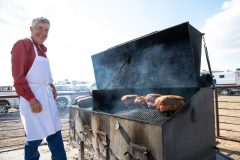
x,y
128,100
140,101
168,103
81,97
85,101
150,99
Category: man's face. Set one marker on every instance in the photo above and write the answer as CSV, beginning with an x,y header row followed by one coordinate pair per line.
x,y
40,32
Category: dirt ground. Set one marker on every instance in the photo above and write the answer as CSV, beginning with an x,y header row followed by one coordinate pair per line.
x,y
12,133
45,154
12,138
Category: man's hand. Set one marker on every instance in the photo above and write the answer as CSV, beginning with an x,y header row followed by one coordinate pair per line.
x,y
36,106
54,91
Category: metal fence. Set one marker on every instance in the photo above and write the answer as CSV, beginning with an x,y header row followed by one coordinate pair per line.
x,y
227,113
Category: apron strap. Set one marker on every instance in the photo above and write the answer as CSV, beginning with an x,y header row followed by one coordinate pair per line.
x,y
35,49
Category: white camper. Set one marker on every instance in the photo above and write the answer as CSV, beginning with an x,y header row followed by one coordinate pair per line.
x,y
227,78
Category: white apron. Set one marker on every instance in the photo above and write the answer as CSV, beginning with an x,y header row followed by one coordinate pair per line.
x,y
47,122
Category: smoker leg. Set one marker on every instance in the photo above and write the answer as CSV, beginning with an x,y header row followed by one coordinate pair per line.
x,y
82,150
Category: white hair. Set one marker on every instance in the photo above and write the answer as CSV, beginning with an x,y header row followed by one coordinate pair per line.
x,y
40,20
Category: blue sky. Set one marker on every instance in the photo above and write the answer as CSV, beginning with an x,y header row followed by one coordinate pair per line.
x,y
82,28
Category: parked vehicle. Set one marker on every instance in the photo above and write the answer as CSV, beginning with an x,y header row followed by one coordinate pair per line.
x,y
66,94
6,102
63,96
226,81
4,106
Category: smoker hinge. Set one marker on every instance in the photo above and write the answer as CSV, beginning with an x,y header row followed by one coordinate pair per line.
x,y
193,115
72,129
137,152
87,130
87,133
102,144
102,138
87,127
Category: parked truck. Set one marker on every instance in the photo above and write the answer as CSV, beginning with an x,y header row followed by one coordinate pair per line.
x,y
227,82
8,98
67,93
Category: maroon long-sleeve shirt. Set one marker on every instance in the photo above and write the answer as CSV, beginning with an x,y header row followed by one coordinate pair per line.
x,y
23,56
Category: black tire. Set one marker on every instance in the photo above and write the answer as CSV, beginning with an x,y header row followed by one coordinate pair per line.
x,y
4,102
62,102
225,92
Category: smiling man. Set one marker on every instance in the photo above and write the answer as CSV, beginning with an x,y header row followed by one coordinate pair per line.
x,y
33,82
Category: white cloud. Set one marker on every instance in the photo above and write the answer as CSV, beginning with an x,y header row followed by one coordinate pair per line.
x,y
223,37
74,36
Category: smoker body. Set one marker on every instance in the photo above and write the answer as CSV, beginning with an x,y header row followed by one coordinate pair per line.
x,y
188,134
164,62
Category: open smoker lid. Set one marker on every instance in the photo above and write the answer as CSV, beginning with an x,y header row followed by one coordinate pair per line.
x,y
167,58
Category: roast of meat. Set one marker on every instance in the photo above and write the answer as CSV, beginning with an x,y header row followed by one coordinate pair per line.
x,y
164,103
128,100
85,101
140,101
168,103
150,99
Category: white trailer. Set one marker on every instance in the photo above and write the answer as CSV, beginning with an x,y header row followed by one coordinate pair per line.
x,y
228,81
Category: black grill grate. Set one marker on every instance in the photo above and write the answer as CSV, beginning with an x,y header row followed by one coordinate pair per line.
x,y
146,115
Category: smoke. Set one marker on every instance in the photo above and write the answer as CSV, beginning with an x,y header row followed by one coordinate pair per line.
x,y
146,66
160,65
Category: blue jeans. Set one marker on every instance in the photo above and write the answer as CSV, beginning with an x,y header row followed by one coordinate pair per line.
x,y
55,144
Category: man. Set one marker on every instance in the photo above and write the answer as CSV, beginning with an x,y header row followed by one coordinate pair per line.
x,y
33,82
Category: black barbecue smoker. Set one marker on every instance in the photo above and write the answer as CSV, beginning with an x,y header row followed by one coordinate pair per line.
x,y
164,62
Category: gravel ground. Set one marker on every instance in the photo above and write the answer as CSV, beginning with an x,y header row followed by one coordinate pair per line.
x,y
12,138
45,154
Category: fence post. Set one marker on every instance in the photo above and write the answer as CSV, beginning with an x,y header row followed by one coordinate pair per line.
x,y
217,112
